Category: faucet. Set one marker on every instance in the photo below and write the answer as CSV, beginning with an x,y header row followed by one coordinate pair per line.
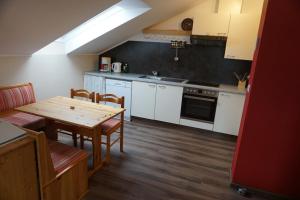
x,y
155,73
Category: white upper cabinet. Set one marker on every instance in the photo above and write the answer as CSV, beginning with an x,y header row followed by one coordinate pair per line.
x,y
252,6
229,113
230,6
242,36
212,24
168,103
143,99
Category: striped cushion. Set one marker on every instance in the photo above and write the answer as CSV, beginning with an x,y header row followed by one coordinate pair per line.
x,y
14,97
64,156
24,120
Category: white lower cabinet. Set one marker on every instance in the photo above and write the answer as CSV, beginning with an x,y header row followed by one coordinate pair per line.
x,y
143,99
94,83
156,101
120,88
229,113
168,103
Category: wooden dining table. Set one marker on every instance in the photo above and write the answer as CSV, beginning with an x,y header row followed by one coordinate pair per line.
x,y
85,118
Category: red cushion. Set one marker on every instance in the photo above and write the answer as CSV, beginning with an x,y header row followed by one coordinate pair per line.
x,y
110,124
14,97
64,156
24,120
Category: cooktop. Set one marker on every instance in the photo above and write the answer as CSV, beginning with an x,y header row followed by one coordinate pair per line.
x,y
203,83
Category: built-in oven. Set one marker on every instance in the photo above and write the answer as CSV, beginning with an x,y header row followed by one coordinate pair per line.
x,y
199,104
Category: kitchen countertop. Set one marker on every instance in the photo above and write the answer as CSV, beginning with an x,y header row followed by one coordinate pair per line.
x,y
135,77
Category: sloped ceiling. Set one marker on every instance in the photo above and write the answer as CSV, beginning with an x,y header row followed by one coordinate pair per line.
x,y
28,25
161,10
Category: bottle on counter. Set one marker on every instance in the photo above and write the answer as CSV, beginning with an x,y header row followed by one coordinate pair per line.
x,y
125,68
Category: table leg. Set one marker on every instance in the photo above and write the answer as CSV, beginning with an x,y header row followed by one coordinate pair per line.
x,y
51,130
96,141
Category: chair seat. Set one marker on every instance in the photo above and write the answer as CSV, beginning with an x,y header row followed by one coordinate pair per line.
x,y
64,156
24,120
110,125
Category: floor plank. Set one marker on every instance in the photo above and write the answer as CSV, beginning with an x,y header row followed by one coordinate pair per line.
x,y
167,162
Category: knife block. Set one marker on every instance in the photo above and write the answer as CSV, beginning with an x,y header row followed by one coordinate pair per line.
x,y
242,85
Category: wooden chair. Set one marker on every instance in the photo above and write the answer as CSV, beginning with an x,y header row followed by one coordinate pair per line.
x,y
112,125
84,94
65,128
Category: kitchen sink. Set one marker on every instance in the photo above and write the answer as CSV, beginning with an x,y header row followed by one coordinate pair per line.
x,y
152,77
176,80
159,78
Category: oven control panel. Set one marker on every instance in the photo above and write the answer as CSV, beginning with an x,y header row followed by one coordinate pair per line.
x,y
197,91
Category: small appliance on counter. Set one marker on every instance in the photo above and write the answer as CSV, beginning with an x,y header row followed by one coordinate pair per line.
x,y
117,67
105,65
125,68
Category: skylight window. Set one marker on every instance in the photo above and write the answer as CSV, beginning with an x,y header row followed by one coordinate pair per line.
x,y
99,25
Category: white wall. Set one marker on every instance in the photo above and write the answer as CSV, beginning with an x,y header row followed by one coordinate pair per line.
x,y
51,75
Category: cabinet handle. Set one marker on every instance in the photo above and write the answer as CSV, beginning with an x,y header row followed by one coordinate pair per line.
x,y
151,86
229,56
225,95
162,87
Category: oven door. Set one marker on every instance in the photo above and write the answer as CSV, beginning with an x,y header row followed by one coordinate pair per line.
x,y
199,107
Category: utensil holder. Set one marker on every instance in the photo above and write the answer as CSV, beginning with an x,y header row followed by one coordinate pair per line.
x,y
242,85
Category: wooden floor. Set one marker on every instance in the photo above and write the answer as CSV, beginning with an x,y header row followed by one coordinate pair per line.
x,y
167,162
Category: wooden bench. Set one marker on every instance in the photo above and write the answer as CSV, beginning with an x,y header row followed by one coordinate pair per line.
x,y
63,169
15,96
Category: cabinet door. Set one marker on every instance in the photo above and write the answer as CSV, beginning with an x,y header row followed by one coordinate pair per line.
x,y
143,99
88,82
230,6
242,36
168,103
211,24
252,6
120,88
94,83
229,113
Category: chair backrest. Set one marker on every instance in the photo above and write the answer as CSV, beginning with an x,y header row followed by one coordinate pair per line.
x,y
46,166
83,94
110,98
15,96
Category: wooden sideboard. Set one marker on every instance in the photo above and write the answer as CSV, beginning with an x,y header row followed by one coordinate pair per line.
x,y
18,170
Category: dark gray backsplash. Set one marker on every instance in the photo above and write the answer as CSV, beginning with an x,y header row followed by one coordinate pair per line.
x,y
197,63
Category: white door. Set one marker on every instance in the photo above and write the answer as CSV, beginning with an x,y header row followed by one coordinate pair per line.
x,y
120,88
143,99
168,103
242,36
229,113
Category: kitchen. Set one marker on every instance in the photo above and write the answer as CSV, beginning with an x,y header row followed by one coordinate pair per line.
x,y
148,99
188,78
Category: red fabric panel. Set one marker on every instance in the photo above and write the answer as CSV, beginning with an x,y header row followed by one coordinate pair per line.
x,y
11,98
64,156
268,149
